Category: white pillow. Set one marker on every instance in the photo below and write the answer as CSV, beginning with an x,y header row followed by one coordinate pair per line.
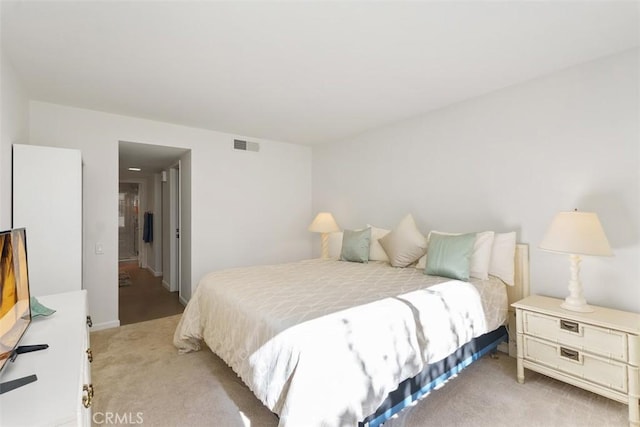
x,y
480,257
335,244
376,252
503,254
405,243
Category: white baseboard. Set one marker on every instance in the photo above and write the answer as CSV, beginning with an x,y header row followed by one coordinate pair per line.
x,y
513,349
508,348
166,285
155,273
182,301
503,347
104,325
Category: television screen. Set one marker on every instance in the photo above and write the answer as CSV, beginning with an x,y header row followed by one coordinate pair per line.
x,y
15,310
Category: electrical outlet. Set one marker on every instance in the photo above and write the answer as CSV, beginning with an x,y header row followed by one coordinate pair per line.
x,y
99,249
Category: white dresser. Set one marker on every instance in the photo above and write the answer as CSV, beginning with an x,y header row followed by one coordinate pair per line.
x,y
63,392
598,351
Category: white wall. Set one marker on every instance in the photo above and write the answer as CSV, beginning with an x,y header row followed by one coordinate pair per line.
x,y
14,119
509,160
246,208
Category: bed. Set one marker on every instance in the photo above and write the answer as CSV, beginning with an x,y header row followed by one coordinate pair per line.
x,y
332,343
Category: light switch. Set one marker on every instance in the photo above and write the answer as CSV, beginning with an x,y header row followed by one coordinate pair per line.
x,y
99,249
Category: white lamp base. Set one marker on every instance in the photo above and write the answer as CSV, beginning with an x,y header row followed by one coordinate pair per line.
x,y
575,301
582,308
324,240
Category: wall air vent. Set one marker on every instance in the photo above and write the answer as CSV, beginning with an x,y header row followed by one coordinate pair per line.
x,y
239,144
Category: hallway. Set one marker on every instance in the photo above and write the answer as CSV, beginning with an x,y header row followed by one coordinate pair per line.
x,y
143,297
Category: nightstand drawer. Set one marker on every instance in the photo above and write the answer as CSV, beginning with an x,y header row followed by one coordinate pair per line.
x,y
605,372
581,336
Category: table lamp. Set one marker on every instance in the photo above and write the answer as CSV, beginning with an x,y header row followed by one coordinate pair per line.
x,y
325,224
576,233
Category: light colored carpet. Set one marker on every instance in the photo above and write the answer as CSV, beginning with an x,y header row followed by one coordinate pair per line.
x,y
139,375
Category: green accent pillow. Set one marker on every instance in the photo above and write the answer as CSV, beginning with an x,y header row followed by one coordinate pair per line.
x,y
355,245
450,256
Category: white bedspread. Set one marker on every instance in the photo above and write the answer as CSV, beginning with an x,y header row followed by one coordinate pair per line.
x,y
322,342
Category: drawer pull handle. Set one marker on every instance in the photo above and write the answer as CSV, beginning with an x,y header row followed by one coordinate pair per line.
x,y
89,355
569,354
87,399
570,326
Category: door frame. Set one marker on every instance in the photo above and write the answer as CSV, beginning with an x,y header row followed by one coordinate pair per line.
x,y
175,229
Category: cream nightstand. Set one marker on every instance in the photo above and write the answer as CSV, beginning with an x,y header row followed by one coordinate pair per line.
x,y
598,351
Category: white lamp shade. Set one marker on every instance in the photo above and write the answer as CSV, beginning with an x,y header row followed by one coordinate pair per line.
x,y
324,223
578,233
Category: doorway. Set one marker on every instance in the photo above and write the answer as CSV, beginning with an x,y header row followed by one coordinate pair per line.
x,y
151,268
128,221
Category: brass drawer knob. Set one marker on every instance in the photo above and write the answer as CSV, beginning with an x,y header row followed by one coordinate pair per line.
x,y
89,355
87,398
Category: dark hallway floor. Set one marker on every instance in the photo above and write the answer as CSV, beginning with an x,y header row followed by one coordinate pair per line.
x,y
145,298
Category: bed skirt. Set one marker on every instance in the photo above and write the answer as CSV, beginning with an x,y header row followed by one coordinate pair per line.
x,y
435,374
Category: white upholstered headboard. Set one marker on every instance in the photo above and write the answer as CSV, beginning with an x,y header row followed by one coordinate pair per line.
x,y
516,293
521,287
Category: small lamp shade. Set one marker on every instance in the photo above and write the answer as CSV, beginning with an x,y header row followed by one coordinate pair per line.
x,y
576,233
325,224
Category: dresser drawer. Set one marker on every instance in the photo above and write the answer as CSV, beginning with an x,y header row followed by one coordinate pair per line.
x,y
598,370
581,336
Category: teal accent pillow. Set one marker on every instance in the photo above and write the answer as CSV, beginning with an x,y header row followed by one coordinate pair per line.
x,y
355,245
450,256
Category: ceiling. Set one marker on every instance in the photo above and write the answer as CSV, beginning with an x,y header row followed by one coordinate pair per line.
x,y
301,72
149,158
